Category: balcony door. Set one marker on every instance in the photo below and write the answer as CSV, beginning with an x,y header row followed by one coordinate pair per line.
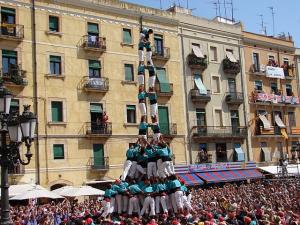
x,y
221,152
163,116
232,85
235,120
9,62
277,129
98,155
8,15
96,112
159,44
201,121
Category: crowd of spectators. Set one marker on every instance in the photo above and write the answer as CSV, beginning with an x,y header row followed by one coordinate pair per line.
x,y
263,202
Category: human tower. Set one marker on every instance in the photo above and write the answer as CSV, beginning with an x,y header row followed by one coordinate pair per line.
x,y
148,184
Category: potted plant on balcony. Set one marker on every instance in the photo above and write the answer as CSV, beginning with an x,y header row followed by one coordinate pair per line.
x,y
231,67
193,60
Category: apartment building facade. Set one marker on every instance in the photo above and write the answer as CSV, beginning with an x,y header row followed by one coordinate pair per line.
x,y
87,61
211,65
273,95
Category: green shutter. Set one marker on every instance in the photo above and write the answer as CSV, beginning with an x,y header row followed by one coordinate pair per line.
x,y
58,151
98,152
163,117
94,64
53,23
127,36
128,72
96,108
9,53
14,103
56,110
54,58
130,107
157,36
10,11
93,28
163,80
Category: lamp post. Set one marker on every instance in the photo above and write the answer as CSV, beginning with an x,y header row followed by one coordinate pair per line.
x,y
20,128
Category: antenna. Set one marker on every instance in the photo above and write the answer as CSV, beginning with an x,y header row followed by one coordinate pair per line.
x,y
231,3
160,4
219,6
263,25
216,8
273,19
225,9
187,4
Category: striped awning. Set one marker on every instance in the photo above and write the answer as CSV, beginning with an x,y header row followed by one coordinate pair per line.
x,y
190,179
230,175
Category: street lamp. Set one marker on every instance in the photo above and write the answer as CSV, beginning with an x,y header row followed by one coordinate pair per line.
x,y
20,128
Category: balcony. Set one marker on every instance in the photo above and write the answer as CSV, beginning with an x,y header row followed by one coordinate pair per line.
x,y
13,76
231,67
93,43
289,71
14,32
195,62
200,133
200,98
262,98
234,98
101,163
94,129
18,169
160,54
163,94
168,130
260,131
294,131
97,84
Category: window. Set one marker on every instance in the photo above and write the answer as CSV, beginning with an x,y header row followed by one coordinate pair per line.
x,y
221,152
213,53
57,111
216,84
93,29
127,37
8,15
201,117
14,106
218,118
235,121
58,151
271,57
288,89
159,44
202,154
94,68
131,113
292,119
129,76
274,88
256,62
229,50
9,62
55,65
285,61
54,23
258,85
195,44
232,85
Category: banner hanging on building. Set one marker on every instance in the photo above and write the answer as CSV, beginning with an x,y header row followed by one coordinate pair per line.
x,y
274,72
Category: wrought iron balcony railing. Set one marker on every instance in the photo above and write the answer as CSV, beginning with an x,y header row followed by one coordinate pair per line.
x,y
200,98
14,75
197,63
99,163
219,131
234,98
93,43
11,31
96,84
161,93
98,129
160,54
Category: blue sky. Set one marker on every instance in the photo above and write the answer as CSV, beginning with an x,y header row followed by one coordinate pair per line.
x,y
287,16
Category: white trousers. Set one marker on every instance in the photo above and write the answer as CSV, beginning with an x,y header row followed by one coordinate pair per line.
x,y
179,199
132,169
153,109
167,168
186,203
141,56
112,204
148,205
142,107
125,203
134,205
163,201
159,168
151,81
139,169
189,198
106,206
174,204
126,168
151,169
119,203
141,79
149,58
157,204
156,137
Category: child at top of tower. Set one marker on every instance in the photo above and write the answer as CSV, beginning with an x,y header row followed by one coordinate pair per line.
x,y
145,43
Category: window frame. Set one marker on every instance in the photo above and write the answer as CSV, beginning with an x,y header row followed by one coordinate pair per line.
x,y
58,24
55,64
219,82
202,112
261,82
99,69
222,118
131,35
132,72
63,151
132,111
216,58
9,58
62,111
290,88
92,34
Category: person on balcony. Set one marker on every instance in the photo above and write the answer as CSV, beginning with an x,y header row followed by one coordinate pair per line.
x,y
145,43
104,120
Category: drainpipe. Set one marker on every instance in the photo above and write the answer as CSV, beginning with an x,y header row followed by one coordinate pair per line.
x,y
244,102
35,94
189,146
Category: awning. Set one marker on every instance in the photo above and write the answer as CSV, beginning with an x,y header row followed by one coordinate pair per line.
x,y
292,169
231,57
230,175
197,51
96,108
279,122
266,153
163,81
265,121
190,179
202,89
240,154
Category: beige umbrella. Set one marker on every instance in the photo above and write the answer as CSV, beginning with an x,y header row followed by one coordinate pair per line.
x,y
36,192
70,191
